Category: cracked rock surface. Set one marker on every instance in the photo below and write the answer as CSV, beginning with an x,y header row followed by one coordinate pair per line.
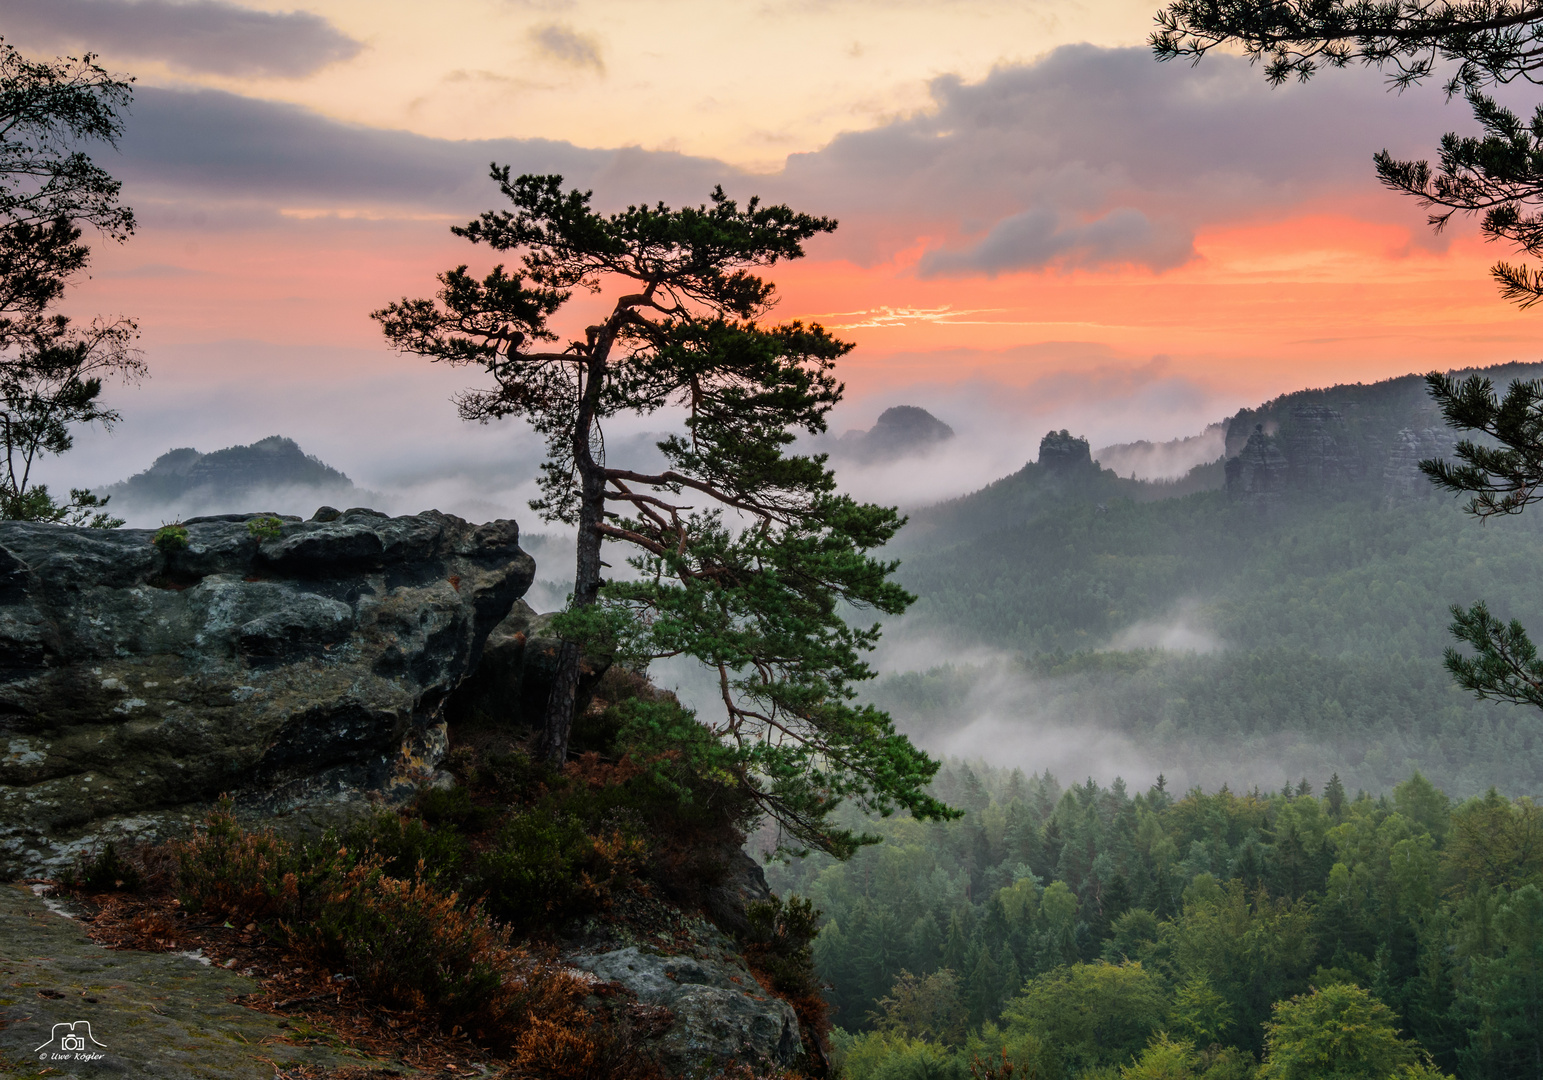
x,y
302,673
721,1013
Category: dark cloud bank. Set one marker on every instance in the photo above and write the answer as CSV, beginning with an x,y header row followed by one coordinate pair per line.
x,y
200,36
1088,158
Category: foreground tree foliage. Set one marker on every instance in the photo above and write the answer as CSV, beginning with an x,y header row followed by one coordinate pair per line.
x,y
51,371
746,556
1498,174
1502,475
1225,935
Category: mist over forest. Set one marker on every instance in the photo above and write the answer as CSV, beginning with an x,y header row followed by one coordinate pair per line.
x,y
1126,610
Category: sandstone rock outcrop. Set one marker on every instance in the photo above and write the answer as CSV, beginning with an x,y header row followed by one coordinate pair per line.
x,y
305,671
1316,447
720,1014
1063,454
1259,472
1401,476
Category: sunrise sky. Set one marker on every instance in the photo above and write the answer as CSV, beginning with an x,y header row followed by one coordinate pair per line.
x,y
1041,225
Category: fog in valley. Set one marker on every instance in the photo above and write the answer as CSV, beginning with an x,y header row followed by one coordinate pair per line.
x,y
1002,705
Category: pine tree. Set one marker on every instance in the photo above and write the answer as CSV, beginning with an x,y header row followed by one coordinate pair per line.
x,y
1011,981
982,990
745,556
956,946
52,371
925,943
1335,795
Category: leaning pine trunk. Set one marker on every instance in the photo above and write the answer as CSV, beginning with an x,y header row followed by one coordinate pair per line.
x,y
560,703
563,698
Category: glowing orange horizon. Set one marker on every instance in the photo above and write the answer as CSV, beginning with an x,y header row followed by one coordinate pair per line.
x,y
1306,300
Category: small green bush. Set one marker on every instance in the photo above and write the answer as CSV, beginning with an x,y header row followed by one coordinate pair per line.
x,y
265,528
778,942
453,807
173,537
102,871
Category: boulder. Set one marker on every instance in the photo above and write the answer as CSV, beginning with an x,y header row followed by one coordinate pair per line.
x,y
720,1013
508,689
303,672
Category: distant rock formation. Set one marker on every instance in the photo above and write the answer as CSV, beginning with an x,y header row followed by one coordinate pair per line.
x,y
1367,444
1063,454
900,432
1401,476
187,481
300,672
1316,448
1310,453
1259,471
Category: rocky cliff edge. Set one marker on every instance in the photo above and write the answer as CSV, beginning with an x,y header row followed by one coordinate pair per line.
x,y
302,672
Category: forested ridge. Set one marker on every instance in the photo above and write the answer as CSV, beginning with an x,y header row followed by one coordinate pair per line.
x,y
1226,639
1087,931
1232,919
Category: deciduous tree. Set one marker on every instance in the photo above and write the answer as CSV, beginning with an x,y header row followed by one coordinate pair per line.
x,y
51,371
1337,1032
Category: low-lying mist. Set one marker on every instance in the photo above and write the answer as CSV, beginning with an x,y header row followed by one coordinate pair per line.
x,y
1147,460
388,423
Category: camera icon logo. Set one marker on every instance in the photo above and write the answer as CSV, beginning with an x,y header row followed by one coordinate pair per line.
x,y
72,1037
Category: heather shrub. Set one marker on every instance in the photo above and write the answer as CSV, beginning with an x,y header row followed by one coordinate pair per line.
x,y
544,862
406,939
228,869
408,847
409,943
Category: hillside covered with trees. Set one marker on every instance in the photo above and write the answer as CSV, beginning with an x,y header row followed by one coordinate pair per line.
x,y
1089,931
1231,635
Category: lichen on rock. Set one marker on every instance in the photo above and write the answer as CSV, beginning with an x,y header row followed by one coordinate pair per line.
x,y
719,1012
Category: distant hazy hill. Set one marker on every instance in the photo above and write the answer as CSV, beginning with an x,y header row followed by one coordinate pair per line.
x,y
900,432
1314,591
273,471
1064,472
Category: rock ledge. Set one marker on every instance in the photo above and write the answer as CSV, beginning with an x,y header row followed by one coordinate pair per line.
x,y
302,672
